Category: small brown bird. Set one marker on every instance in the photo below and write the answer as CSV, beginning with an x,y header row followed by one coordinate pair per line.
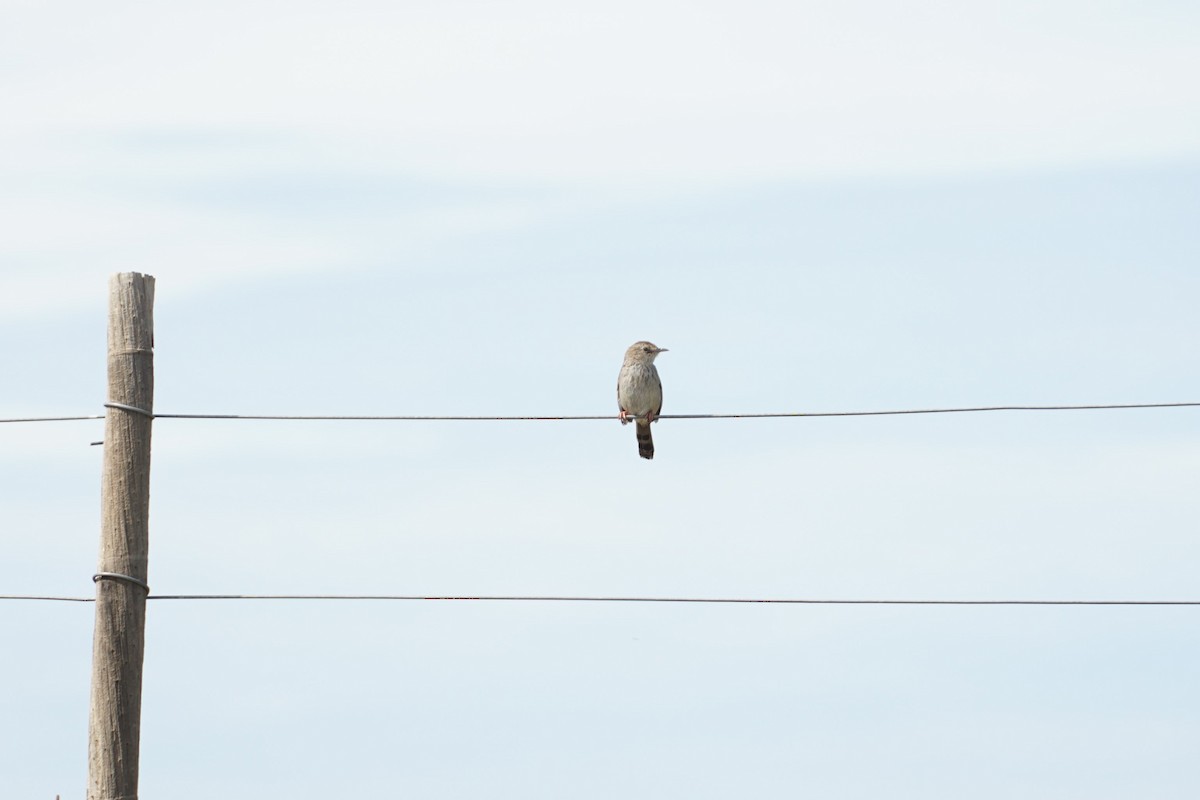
x,y
639,392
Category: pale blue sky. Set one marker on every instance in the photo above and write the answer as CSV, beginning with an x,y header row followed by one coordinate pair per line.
x,y
467,208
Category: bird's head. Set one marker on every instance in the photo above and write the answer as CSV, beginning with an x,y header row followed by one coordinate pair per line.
x,y
643,351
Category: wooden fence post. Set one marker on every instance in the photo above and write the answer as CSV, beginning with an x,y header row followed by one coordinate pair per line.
x,y
114,724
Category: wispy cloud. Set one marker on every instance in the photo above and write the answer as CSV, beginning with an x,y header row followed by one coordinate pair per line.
x,y
631,89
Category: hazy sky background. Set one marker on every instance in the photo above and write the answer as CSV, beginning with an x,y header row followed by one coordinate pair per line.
x,y
474,208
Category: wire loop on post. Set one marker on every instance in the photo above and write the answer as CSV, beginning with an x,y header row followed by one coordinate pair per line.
x,y
134,409
117,576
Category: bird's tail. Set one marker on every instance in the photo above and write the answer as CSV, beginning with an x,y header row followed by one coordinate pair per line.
x,y
645,441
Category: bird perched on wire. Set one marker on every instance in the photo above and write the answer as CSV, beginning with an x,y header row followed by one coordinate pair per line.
x,y
639,392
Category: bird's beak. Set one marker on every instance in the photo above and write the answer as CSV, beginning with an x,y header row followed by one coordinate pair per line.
x,y
662,349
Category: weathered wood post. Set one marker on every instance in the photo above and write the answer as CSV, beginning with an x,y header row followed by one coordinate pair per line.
x,y
114,725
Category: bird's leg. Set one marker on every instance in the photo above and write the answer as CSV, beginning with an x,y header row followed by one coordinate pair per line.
x,y
624,417
651,416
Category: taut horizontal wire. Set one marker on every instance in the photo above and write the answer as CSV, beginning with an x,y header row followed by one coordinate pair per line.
x,y
530,418
633,599
52,419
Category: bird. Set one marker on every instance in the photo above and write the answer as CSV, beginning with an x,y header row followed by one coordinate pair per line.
x,y
639,392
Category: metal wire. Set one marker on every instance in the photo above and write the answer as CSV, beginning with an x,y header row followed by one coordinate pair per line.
x,y
51,419
118,576
550,418
132,409
633,599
